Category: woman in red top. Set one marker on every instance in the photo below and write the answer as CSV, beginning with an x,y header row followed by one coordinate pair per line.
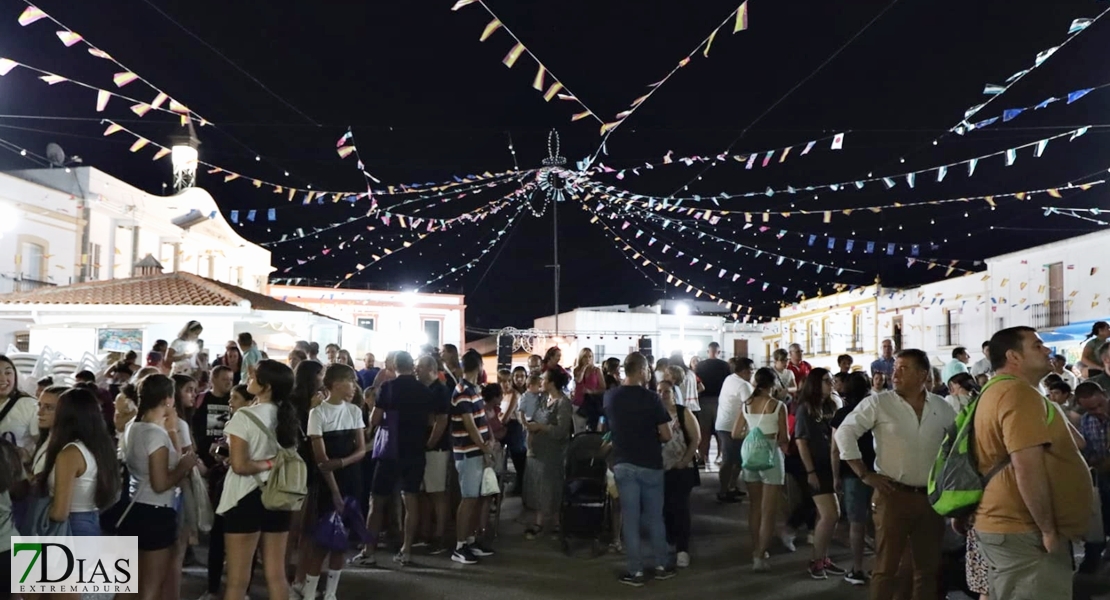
x,y
589,384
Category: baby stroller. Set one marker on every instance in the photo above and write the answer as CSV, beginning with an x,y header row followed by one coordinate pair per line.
x,y
585,510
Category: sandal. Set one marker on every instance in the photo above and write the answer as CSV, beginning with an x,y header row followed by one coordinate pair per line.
x,y
532,532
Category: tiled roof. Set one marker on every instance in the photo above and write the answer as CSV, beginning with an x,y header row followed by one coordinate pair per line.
x,y
170,289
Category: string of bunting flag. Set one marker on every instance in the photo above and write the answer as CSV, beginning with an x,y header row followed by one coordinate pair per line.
x,y
1076,213
739,16
32,14
1010,114
889,181
996,90
377,255
625,248
494,239
556,89
765,215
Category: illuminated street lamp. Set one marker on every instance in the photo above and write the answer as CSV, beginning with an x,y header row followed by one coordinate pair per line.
x,y
184,155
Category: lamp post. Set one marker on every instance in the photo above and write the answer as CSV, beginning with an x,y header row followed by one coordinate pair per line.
x,y
184,155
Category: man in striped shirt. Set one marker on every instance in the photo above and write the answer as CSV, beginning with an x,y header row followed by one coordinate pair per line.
x,y
470,441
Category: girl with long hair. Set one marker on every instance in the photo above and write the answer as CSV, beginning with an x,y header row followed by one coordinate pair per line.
x,y
516,441
181,357
589,386
680,474
335,429
185,398
19,421
232,358
1090,360
79,443
765,412
857,495
813,434
252,450
308,385
156,469
47,413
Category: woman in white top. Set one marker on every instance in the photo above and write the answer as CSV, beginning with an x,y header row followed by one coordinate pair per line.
x,y
735,392
47,411
763,411
251,450
79,444
182,354
156,469
18,421
185,396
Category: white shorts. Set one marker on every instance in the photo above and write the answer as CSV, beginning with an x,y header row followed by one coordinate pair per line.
x,y
776,475
435,471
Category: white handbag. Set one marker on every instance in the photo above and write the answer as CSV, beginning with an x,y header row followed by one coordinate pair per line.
x,y
490,485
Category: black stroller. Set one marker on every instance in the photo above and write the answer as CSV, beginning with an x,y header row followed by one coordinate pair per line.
x,y
585,512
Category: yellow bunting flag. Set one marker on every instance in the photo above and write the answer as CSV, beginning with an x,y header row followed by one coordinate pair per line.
x,y
292,192
607,127
990,200
69,38
159,100
624,113
551,91
640,100
52,79
124,78
513,55
102,97
139,144
684,62
709,43
256,183
97,52
828,216
1020,195
277,189
231,177
462,3
112,128
30,15
162,152
1055,193
741,18
6,65
177,107
345,151
581,115
493,26
537,83
141,109
785,153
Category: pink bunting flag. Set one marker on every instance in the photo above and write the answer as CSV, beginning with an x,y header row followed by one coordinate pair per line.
x,y
112,128
139,144
177,107
6,66
97,52
30,15
124,78
52,79
162,152
141,109
102,97
159,100
69,38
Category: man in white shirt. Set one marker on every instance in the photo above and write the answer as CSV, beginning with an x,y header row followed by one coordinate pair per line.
x,y
983,365
908,424
1058,363
735,391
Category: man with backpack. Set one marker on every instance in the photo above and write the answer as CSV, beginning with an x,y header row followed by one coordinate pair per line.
x,y
908,424
1038,502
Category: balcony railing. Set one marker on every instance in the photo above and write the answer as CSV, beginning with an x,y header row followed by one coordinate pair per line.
x,y
16,283
948,334
1053,314
855,344
822,345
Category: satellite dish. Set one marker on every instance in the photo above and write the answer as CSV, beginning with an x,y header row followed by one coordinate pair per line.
x,y
55,155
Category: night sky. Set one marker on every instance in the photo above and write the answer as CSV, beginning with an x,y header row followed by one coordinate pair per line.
x,y
427,101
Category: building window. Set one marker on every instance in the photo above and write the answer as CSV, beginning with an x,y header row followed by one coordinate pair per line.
x,y
811,337
857,333
94,262
432,329
23,341
366,323
599,354
949,334
32,263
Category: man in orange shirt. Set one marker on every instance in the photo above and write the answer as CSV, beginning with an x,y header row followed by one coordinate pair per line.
x,y
1039,502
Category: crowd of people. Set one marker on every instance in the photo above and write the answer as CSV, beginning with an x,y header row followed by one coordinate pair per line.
x,y
183,449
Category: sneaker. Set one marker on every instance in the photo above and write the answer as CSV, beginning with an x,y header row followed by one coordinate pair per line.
x,y
809,539
402,559
363,559
832,569
632,579
788,541
817,569
464,555
682,560
760,565
330,597
662,574
857,578
296,592
480,549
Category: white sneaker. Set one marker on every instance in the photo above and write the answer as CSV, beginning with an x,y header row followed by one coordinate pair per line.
x,y
296,591
809,539
788,541
682,560
330,597
363,559
760,565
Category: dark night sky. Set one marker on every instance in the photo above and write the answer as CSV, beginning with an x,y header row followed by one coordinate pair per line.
x,y
427,101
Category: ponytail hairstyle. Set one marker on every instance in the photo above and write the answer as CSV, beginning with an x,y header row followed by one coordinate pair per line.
x,y
79,419
1098,326
278,377
153,391
179,382
764,381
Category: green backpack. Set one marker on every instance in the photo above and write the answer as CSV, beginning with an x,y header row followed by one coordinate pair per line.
x,y
955,484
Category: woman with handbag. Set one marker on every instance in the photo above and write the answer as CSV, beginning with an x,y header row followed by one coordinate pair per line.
x,y
680,474
156,469
254,435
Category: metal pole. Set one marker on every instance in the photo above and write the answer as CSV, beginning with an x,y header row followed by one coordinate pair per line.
x,y
555,245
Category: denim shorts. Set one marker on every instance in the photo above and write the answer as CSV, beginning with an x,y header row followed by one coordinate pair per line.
x,y
470,476
857,499
85,524
776,475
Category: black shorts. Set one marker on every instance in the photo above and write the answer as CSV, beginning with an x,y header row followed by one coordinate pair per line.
x,y
155,526
391,475
824,483
249,516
